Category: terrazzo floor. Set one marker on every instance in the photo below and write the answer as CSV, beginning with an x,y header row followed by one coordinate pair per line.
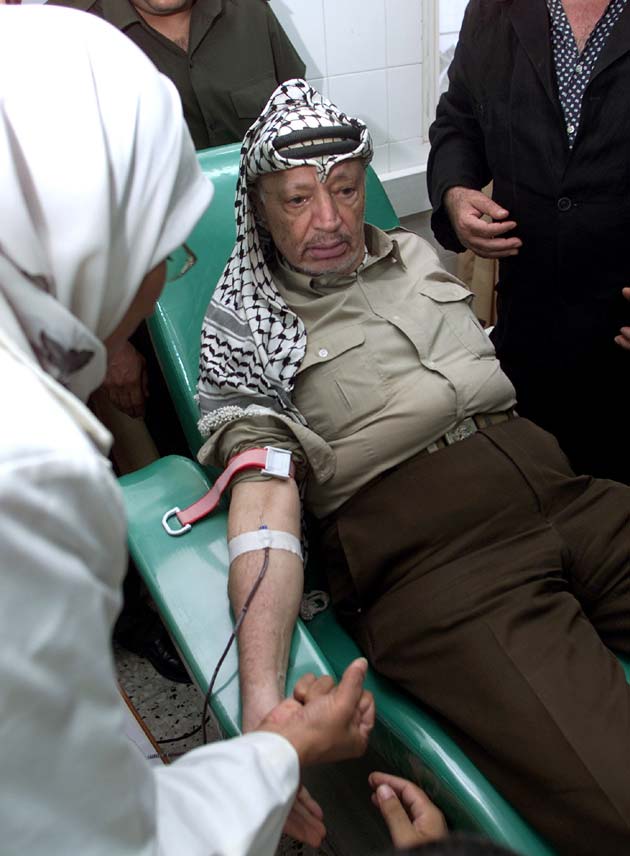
x,y
170,710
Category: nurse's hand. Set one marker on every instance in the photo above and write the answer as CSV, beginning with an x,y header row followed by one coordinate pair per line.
x,y
623,339
466,208
326,722
126,382
323,722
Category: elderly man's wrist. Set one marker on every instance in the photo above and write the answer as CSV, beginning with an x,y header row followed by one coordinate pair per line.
x,y
254,711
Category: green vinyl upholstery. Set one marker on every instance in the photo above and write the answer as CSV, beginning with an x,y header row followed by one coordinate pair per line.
x,y
187,575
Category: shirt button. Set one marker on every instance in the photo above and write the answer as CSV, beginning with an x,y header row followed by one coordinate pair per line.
x,y
396,317
564,204
571,128
323,352
430,364
579,69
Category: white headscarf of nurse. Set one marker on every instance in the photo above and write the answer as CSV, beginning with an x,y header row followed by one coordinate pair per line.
x,y
97,187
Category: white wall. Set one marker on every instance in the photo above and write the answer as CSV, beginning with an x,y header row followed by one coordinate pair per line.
x,y
451,14
369,58
366,56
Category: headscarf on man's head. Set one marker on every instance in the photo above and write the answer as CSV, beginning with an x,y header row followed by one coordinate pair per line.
x,y
99,182
252,344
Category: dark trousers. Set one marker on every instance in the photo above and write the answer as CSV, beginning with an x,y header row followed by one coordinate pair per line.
x,y
492,584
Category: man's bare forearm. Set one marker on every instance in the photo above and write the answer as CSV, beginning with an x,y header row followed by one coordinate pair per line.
x,y
265,636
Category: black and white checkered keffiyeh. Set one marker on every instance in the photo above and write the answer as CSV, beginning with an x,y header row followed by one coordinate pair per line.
x,y
252,344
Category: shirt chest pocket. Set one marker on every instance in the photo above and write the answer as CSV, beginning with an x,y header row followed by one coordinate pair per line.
x,y
454,320
339,388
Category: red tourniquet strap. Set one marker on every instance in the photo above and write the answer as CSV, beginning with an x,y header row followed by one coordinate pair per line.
x,y
251,459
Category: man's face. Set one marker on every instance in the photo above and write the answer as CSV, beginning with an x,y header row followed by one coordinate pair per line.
x,y
162,7
318,228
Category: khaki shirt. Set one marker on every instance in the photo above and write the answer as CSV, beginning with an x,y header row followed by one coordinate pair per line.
x,y
395,358
237,55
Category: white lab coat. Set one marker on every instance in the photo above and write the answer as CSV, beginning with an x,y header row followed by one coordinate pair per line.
x,y
70,782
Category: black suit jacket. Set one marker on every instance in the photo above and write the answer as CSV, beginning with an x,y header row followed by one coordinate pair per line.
x,y
560,302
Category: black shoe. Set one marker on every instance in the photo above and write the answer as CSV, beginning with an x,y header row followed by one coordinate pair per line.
x,y
162,654
147,637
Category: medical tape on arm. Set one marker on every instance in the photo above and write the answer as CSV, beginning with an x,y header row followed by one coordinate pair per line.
x,y
261,538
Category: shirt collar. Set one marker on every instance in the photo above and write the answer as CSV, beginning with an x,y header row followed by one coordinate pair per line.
x,y
204,13
379,245
120,13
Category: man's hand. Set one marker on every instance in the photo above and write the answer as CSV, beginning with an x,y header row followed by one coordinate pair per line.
x,y
126,382
623,339
324,722
411,817
305,823
466,208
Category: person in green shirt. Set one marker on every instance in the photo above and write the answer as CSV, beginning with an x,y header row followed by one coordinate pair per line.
x,y
225,58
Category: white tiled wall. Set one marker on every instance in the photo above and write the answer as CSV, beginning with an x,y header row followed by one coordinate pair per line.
x,y
451,14
366,56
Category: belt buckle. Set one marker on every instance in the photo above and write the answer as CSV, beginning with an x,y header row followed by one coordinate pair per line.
x,y
464,429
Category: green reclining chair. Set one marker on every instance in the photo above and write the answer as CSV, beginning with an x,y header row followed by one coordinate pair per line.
x,y
187,575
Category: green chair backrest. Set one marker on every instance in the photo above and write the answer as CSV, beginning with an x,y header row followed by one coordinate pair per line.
x,y
176,324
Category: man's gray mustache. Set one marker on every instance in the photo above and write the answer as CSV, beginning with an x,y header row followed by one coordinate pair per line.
x,y
343,238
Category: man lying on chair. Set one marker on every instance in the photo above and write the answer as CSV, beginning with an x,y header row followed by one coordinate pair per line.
x,y
470,564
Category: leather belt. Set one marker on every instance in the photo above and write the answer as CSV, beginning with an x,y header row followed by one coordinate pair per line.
x,y
469,426
270,461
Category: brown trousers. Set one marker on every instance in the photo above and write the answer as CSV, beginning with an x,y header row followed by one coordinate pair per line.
x,y
490,583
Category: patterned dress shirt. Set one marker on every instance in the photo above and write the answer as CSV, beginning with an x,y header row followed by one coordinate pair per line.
x,y
574,69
